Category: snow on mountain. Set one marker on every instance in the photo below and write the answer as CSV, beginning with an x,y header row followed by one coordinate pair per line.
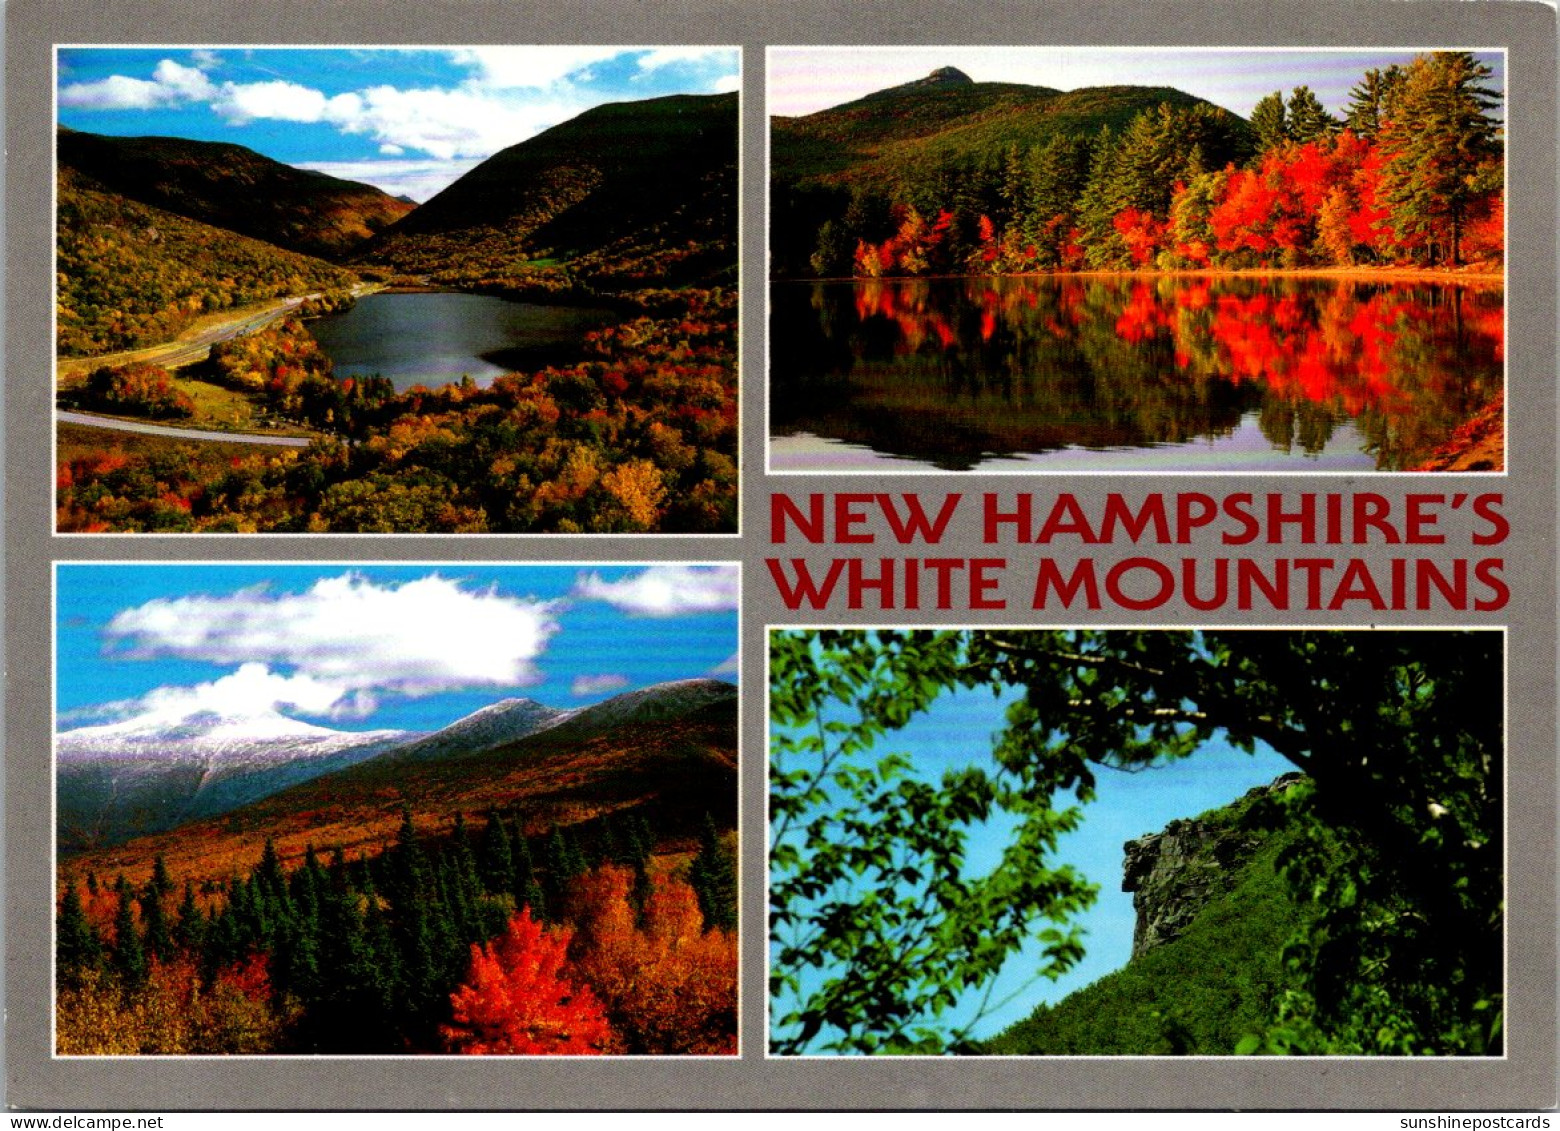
x,y
505,721
148,774
659,703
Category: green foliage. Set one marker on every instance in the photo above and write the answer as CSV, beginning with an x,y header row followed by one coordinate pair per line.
x,y
1199,994
713,877
135,390
877,927
1396,854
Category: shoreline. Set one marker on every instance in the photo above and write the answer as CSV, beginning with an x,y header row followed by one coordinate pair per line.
x,y
1352,274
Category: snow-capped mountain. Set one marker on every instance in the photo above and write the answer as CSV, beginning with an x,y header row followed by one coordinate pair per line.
x,y
661,702
505,721
146,774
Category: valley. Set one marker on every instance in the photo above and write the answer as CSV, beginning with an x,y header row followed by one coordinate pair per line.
x,y
597,392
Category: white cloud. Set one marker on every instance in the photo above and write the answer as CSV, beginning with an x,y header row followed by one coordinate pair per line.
x,y
391,150
240,103
253,691
595,684
729,666
665,590
348,639
206,59
117,92
418,179
658,57
529,68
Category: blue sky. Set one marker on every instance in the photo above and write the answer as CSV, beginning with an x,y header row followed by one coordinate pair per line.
x,y
378,647
802,80
409,120
956,732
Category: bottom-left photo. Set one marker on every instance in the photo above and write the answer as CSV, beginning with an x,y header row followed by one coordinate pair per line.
x,y
395,810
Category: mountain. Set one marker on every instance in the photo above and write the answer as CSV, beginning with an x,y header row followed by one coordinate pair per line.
x,y
505,721
942,119
231,187
667,752
1213,916
621,182
131,778
133,275
959,152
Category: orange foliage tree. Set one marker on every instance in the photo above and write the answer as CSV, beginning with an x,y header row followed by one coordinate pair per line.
x,y
669,986
518,1000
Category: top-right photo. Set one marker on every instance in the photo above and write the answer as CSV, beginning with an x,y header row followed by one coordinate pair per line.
x,y
1027,259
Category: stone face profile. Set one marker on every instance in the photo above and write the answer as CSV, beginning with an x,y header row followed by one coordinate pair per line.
x,y
1173,874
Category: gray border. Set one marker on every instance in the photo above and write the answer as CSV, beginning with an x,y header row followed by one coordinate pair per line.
x,y
1525,1079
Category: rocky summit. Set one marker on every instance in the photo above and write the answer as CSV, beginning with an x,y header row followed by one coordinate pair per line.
x,y
1173,874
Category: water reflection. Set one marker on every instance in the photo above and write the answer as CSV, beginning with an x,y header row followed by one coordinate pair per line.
x,y
1118,372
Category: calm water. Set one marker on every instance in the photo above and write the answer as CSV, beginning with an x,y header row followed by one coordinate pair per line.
x,y
436,337
1126,373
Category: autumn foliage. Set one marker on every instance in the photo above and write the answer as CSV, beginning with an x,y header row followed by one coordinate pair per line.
x,y
669,986
518,999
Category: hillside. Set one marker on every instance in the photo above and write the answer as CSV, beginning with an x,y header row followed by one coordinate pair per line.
x,y
945,142
670,766
627,193
1213,917
132,275
229,186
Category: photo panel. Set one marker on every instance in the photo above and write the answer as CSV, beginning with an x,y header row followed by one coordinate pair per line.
x,y
1137,260
443,290
395,810
1137,842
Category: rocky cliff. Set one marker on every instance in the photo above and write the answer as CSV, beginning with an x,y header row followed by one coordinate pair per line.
x,y
1173,874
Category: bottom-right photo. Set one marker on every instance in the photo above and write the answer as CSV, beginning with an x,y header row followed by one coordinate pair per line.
x,y
1136,842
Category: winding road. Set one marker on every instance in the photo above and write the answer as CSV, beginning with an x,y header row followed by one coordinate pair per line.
x,y
186,351
88,420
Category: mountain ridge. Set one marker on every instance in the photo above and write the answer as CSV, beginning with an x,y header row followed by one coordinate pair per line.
x,y
235,188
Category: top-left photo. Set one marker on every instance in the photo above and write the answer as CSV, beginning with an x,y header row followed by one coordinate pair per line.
x,y
396,290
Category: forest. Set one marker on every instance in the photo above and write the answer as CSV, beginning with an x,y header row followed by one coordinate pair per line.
x,y
639,436
1411,176
573,940
1379,929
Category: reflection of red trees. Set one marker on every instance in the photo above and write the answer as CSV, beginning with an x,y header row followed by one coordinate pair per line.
x,y
1349,348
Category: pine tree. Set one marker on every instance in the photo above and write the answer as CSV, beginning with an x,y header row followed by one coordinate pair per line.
x,y
713,877
78,949
1372,99
1442,150
1308,118
162,882
128,957
158,939
496,856
189,932
1270,122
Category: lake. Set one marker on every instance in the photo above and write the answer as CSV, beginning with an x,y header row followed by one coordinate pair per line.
x,y
436,337
1126,373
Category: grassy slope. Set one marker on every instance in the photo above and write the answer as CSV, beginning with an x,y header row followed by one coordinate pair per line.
x,y
229,186
1196,995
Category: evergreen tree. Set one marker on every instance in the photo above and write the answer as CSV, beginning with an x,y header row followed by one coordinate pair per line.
x,y
1442,151
189,931
158,940
1308,118
128,957
1371,101
77,946
1269,121
713,877
162,882
496,856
